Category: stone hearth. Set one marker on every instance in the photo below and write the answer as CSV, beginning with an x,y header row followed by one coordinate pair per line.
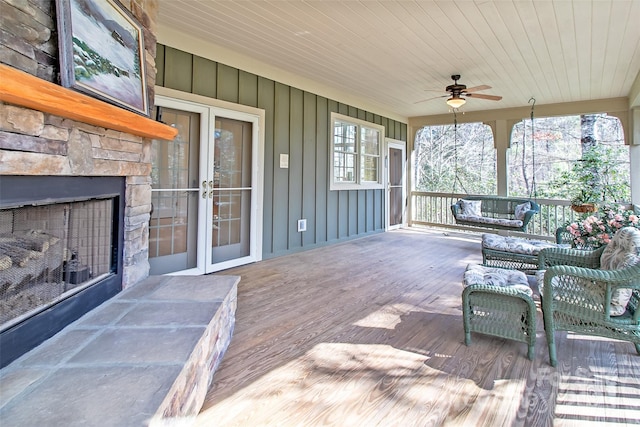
x,y
145,357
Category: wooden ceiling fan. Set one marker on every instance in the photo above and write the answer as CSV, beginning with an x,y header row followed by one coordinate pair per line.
x,y
457,93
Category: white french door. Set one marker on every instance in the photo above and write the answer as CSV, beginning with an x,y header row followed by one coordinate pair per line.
x,y
396,178
205,190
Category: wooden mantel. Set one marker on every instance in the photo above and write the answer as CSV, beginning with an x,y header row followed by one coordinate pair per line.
x,y
20,88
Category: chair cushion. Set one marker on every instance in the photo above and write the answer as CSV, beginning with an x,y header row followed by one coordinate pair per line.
x,y
515,245
502,277
623,251
471,207
522,209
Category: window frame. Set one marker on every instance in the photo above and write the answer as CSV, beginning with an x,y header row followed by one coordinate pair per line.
x,y
358,183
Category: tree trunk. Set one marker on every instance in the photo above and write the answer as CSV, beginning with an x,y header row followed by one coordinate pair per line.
x,y
588,142
587,129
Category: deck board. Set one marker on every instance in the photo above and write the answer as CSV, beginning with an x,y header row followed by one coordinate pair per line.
x,y
369,332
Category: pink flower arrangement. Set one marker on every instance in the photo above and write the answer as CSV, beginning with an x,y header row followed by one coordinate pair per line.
x,y
595,230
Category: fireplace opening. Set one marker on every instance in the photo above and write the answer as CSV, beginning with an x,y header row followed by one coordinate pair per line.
x,y
60,254
50,252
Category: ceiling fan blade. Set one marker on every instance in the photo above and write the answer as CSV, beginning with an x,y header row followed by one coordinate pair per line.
x,y
483,96
429,99
477,88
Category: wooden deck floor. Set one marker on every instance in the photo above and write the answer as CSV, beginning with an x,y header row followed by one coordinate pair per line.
x,y
369,333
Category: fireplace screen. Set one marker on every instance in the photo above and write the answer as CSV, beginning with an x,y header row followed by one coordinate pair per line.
x,y
50,252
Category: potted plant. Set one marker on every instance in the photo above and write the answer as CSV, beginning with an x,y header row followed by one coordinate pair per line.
x,y
585,201
593,180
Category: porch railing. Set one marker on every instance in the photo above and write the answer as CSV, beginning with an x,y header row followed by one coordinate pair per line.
x,y
434,209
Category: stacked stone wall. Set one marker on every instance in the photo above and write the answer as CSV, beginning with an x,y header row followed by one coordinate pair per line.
x,y
37,143
29,37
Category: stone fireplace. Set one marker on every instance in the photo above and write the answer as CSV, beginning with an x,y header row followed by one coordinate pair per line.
x,y
75,203
56,170
53,142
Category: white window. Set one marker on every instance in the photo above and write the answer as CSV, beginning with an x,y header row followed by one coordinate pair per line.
x,y
355,153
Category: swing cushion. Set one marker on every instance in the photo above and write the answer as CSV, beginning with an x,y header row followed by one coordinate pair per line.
x,y
487,220
522,209
471,207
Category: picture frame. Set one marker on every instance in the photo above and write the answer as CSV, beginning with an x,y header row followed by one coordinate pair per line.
x,y
102,52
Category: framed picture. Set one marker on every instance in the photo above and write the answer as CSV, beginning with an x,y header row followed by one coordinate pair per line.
x,y
102,52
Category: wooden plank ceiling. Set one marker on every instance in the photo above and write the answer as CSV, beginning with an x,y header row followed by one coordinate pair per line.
x,y
391,54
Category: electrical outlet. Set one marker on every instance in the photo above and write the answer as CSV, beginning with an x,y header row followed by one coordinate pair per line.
x,y
302,225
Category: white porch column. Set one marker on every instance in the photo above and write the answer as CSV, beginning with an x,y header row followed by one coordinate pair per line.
x,y
502,142
634,155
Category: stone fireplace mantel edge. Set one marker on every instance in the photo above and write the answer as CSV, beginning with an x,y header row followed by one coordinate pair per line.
x,y
23,89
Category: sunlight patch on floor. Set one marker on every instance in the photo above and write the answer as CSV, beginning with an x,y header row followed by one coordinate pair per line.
x,y
387,317
577,336
328,382
602,398
620,415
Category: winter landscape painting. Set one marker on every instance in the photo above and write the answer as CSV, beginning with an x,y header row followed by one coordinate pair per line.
x,y
102,52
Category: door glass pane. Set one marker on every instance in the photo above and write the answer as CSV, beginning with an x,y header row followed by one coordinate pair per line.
x,y
174,179
168,224
395,186
395,166
395,207
232,195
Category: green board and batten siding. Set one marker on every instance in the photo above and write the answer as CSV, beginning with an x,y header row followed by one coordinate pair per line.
x,y
297,123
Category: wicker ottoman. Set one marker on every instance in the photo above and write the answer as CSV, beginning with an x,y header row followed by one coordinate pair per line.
x,y
498,302
513,252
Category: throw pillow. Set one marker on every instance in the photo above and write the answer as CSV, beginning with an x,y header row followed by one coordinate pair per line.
x,y
522,209
471,207
623,251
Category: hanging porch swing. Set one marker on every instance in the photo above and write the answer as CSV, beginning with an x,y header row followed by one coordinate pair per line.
x,y
489,211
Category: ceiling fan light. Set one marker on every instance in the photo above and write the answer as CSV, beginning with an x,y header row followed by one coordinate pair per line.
x,y
456,102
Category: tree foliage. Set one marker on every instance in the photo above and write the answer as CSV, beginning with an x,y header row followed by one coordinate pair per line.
x,y
598,176
545,154
560,157
455,159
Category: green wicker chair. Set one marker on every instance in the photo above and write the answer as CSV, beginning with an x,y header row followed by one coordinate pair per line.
x,y
499,302
576,295
564,237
